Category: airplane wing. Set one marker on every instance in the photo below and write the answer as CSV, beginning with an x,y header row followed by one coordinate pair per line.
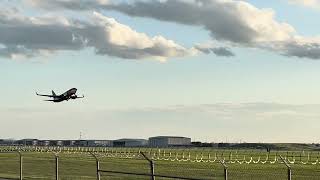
x,y
45,95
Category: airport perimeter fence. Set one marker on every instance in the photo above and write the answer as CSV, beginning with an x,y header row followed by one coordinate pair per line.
x,y
115,163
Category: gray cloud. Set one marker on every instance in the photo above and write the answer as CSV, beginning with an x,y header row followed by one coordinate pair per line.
x,y
11,52
231,21
218,51
23,36
307,50
218,19
68,4
215,16
221,51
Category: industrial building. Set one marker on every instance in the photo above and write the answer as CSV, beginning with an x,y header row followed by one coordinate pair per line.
x,y
43,143
7,142
130,143
99,143
158,141
68,142
169,141
27,142
102,143
93,143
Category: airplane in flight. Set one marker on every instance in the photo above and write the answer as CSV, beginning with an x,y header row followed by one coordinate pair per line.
x,y
70,94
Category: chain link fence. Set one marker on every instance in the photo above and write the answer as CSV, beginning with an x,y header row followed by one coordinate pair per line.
x,y
134,163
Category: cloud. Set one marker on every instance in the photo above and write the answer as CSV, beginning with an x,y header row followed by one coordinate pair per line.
x,y
220,17
121,41
253,122
230,21
315,4
309,49
23,36
68,4
208,48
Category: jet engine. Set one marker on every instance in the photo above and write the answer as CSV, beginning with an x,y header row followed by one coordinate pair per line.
x,y
74,97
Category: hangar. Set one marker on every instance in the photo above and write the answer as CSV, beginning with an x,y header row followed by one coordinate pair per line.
x,y
169,141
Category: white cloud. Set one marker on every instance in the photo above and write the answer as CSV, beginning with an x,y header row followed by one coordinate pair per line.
x,y
119,40
230,21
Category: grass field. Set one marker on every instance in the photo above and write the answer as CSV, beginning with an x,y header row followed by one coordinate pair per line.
x,y
195,163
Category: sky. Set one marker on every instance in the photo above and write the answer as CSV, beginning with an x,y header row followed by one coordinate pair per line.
x,y
212,70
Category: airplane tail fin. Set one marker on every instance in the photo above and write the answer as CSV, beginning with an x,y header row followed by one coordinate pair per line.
x,y
53,94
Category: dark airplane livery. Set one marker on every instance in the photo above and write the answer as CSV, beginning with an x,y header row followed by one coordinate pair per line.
x,y
70,94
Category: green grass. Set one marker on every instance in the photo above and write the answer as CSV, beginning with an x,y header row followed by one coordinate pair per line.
x,y
74,164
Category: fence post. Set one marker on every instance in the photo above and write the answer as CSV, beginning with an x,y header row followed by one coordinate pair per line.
x,y
151,166
57,165
288,166
225,169
97,166
20,162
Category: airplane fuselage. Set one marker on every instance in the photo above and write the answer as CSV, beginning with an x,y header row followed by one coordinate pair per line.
x,y
70,94
65,96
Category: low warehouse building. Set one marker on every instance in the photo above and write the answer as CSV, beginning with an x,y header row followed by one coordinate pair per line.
x,y
28,142
130,143
169,141
103,143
